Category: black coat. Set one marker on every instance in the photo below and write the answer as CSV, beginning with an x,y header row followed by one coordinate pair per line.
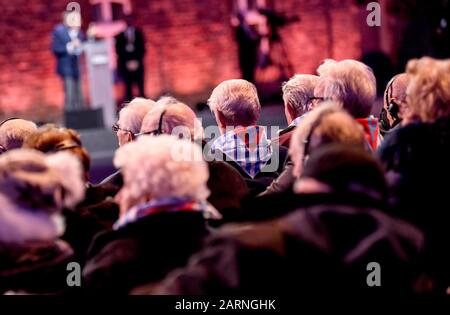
x,y
417,159
266,176
35,267
123,56
142,252
320,250
96,213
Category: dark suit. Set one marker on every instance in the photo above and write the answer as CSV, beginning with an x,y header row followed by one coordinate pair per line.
x,y
67,66
131,47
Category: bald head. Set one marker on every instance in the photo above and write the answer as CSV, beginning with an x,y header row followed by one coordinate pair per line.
x,y
399,87
397,92
13,132
174,117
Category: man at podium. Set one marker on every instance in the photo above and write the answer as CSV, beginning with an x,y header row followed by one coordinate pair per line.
x,y
67,47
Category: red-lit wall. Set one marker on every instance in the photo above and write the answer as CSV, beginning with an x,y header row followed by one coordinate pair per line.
x,y
190,46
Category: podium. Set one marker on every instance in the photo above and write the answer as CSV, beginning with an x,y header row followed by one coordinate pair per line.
x,y
101,80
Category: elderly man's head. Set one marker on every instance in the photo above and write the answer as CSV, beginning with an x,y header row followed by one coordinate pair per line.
x,y
297,93
161,167
429,89
350,83
170,116
395,97
130,119
14,131
235,103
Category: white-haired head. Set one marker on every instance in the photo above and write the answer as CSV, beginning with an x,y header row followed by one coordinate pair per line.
x,y
350,83
34,188
170,116
297,93
131,117
325,124
235,103
161,167
13,132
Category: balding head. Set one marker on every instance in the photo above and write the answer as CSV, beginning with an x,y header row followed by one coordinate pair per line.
x,y
172,117
13,132
396,91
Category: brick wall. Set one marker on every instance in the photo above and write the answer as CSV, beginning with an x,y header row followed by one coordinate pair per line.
x,y
190,47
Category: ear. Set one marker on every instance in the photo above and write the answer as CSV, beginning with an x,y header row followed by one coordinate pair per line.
x,y
130,137
221,121
290,113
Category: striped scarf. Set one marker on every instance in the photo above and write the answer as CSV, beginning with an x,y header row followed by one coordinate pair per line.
x,y
163,205
371,131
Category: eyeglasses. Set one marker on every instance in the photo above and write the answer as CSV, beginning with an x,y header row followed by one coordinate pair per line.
x,y
316,98
8,119
116,128
155,132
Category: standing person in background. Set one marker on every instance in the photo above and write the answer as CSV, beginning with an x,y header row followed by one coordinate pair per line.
x,y
130,49
251,35
67,47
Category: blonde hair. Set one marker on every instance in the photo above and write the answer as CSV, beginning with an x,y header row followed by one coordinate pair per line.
x,y
429,89
237,101
325,124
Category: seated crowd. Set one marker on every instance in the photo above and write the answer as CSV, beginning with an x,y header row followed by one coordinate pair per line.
x,y
305,211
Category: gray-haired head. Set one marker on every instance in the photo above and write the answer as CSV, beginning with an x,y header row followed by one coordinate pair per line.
x,y
131,117
235,103
297,93
350,83
172,117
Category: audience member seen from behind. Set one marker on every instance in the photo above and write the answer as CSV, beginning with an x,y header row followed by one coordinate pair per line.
x,y
395,107
297,96
227,186
243,144
162,205
417,159
326,124
93,214
34,188
353,86
323,248
126,129
13,132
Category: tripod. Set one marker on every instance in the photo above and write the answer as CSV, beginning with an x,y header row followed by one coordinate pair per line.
x,y
278,55
280,58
